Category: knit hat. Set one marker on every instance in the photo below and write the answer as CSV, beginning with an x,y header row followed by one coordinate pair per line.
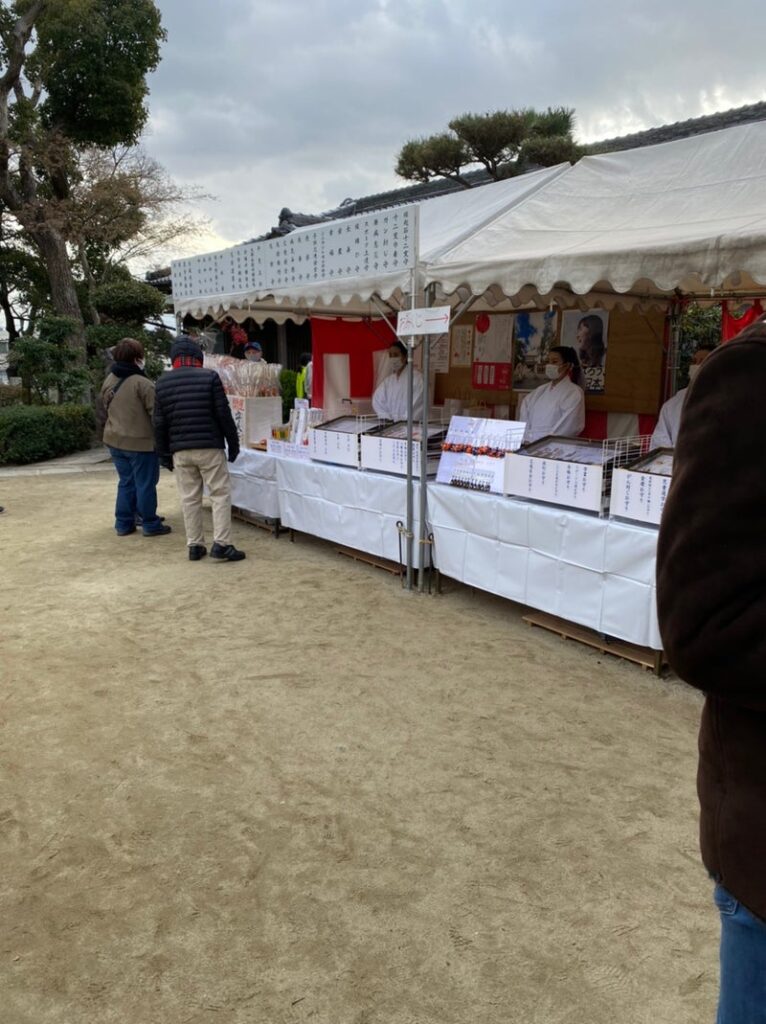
x,y
184,347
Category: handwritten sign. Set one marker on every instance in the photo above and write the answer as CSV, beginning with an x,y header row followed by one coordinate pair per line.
x,y
423,321
379,243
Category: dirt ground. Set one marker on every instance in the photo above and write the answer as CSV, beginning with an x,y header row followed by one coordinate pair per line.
x,y
286,791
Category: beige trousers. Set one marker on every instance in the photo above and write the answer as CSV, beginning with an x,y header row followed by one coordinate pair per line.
x,y
196,468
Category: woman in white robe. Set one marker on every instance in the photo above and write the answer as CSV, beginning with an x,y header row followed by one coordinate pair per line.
x,y
390,397
559,406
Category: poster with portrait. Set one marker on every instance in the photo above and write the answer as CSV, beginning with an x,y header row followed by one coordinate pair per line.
x,y
587,334
534,336
492,352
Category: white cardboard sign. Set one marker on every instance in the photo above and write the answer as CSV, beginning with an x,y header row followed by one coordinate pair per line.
x,y
423,321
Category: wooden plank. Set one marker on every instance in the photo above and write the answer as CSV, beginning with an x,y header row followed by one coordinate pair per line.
x,y
272,525
643,656
380,563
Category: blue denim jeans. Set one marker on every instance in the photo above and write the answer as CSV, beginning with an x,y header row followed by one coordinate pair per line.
x,y
137,490
743,963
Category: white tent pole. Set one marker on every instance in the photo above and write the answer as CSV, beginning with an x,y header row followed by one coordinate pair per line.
x,y
423,533
410,416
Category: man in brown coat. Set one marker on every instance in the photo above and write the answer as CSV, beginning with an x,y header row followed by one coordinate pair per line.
x,y
711,599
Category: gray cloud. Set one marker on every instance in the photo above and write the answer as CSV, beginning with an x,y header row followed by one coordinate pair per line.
x,y
295,103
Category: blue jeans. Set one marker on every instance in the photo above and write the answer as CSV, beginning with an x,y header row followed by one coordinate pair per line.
x,y
136,491
743,963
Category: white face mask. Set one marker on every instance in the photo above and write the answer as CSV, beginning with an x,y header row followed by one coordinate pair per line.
x,y
552,371
140,363
694,369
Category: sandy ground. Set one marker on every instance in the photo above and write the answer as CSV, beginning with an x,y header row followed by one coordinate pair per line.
x,y
285,791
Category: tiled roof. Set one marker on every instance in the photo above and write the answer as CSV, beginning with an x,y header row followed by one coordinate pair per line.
x,y
682,129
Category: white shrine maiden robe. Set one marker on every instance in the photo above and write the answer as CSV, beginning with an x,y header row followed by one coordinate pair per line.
x,y
553,409
390,398
666,432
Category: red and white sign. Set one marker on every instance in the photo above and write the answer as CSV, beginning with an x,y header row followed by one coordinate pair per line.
x,y
423,321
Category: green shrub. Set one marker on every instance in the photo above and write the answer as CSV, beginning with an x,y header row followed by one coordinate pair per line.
x,y
129,301
47,365
30,433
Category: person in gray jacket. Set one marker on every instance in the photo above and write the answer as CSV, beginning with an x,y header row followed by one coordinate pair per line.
x,y
127,403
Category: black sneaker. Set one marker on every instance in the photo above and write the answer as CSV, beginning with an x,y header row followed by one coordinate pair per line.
x,y
197,551
161,530
227,553
126,533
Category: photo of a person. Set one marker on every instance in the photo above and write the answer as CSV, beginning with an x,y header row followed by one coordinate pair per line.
x,y
587,334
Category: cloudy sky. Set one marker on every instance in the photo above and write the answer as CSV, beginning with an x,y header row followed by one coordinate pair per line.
x,y
302,103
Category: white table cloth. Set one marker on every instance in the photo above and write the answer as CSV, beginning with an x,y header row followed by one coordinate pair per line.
x,y
595,572
346,506
254,483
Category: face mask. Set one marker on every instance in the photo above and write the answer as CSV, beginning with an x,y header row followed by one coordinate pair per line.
x,y
693,371
140,363
552,371
253,357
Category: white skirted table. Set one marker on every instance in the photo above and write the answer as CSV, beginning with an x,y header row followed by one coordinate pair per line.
x,y
254,484
356,509
596,572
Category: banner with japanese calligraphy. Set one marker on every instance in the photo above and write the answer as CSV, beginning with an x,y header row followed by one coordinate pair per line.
x,y
375,243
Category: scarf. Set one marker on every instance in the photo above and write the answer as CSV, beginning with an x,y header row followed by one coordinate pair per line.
x,y
186,361
123,370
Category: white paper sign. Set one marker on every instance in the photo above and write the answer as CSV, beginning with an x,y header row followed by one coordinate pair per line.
x,y
373,244
495,345
638,496
461,345
440,354
572,484
423,321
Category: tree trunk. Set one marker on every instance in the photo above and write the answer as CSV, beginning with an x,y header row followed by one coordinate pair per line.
x,y
53,249
10,319
91,283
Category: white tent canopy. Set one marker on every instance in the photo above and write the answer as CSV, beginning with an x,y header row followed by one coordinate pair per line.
x,y
445,221
688,215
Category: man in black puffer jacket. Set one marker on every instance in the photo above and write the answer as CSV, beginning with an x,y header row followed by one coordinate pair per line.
x,y
192,427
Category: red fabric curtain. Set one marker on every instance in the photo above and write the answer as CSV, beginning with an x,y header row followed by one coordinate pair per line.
x,y
731,326
356,338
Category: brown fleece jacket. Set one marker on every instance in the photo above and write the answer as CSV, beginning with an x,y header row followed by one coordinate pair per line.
x,y
711,601
129,421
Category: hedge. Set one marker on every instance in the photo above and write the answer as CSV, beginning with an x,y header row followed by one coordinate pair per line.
x,y
30,433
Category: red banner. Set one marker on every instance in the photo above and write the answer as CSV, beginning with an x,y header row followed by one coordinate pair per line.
x,y
731,326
